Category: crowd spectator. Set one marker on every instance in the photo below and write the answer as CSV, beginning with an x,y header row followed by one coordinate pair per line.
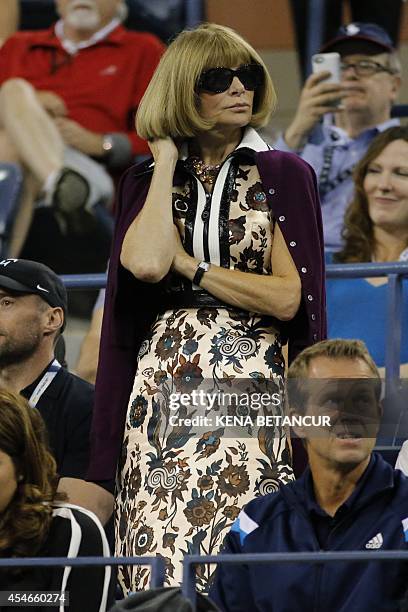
x,y
385,14
161,332
375,230
164,18
74,88
369,85
33,307
35,521
348,499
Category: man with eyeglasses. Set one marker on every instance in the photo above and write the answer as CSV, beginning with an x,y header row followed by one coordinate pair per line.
x,y
334,124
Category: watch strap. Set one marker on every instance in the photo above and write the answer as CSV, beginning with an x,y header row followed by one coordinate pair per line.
x,y
202,268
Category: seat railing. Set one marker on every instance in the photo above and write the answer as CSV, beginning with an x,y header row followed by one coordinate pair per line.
x,y
190,562
157,564
395,272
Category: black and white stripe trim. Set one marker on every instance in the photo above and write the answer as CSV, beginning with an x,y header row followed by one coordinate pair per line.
x,y
206,232
65,511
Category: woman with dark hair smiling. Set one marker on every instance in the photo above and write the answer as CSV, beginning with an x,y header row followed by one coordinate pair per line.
x,y
35,521
217,261
375,230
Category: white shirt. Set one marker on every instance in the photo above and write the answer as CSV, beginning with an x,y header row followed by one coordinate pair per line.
x,y
402,459
73,47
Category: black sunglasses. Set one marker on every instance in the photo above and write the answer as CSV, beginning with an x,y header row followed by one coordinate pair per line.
x,y
217,80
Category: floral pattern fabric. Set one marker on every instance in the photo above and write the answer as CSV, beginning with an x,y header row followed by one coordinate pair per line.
x,y
180,486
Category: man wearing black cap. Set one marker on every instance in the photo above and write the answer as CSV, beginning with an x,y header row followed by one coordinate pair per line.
x,y
33,306
333,139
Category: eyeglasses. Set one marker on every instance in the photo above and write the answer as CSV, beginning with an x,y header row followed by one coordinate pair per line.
x,y
365,67
217,80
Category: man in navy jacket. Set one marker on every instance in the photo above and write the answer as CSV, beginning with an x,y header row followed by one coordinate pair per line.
x,y
347,499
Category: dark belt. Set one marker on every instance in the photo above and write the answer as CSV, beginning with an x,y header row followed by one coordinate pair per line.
x,y
202,299
193,299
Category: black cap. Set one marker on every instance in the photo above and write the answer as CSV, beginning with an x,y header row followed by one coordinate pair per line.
x,y
374,36
25,276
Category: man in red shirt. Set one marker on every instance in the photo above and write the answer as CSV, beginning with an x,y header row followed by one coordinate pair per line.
x,y
67,101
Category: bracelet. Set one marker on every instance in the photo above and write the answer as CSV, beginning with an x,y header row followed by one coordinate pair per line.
x,y
202,267
107,145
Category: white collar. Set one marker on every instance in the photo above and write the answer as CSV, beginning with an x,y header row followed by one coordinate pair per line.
x,y
252,140
72,47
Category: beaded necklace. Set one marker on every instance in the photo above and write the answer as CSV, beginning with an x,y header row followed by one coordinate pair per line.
x,y
205,172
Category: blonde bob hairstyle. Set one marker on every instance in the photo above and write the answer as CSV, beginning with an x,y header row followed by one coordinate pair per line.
x,y
170,105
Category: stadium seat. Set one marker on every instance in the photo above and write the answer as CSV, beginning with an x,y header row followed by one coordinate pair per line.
x,y
11,180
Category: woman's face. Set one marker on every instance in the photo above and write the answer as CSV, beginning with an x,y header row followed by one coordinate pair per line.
x,y
386,187
231,108
8,480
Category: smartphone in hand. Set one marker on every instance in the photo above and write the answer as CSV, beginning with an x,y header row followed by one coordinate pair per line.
x,y
322,62
327,61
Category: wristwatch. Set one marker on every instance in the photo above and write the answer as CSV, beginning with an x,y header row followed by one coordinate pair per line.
x,y
202,268
107,144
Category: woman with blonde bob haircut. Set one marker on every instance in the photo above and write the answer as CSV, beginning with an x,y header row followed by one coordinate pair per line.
x,y
170,105
205,285
35,521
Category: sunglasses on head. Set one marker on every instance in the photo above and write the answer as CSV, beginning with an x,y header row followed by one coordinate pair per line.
x,y
217,80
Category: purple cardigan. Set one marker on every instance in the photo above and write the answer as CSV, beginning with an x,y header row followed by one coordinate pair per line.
x,y
131,306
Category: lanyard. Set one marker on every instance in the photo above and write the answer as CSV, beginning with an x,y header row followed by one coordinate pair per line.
x,y
44,383
326,185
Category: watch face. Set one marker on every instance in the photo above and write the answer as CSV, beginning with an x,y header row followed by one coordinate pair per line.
x,y
107,143
205,266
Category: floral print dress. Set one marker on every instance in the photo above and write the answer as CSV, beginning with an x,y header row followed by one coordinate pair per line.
x,y
181,487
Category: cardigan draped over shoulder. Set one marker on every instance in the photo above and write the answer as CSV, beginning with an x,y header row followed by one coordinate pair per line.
x,y
131,306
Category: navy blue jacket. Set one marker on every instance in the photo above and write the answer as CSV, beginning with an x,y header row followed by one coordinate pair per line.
x,y
280,522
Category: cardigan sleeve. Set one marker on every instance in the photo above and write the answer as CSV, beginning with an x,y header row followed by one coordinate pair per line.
x,y
130,309
291,189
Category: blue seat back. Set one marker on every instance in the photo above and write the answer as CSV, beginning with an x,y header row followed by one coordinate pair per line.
x,y
11,181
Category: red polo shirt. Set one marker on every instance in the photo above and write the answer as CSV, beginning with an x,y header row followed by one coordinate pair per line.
x,y
101,85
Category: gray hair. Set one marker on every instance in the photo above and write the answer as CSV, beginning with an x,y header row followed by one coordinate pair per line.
x,y
394,62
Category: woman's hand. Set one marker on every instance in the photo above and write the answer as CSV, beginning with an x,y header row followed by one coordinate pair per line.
x,y
164,150
277,295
